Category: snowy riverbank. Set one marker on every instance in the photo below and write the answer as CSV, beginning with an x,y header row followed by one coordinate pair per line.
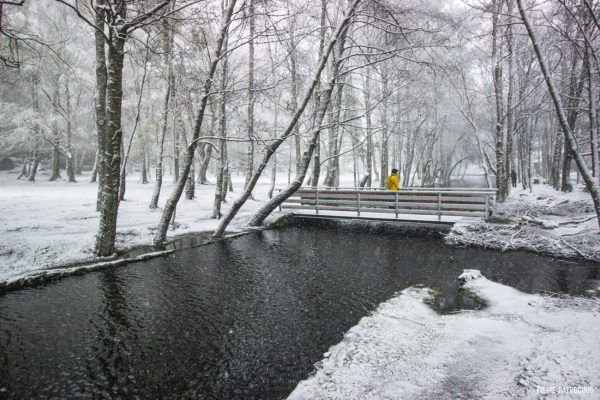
x,y
545,221
46,224
520,346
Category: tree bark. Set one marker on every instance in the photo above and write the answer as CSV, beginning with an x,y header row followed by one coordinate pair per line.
x,y
171,203
317,152
368,130
168,59
589,180
501,177
250,131
105,239
133,131
239,202
221,186
69,147
100,98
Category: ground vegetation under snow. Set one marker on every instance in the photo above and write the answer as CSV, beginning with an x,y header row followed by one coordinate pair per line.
x,y
544,220
519,346
47,224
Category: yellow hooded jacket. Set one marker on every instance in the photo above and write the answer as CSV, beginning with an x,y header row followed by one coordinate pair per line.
x,y
391,183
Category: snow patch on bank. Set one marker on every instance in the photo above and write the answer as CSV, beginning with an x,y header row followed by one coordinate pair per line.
x,y
48,224
520,346
545,221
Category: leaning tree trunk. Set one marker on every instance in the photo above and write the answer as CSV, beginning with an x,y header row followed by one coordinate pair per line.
x,y
274,202
163,225
589,180
269,150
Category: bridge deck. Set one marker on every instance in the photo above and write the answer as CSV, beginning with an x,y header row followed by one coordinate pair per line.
x,y
411,204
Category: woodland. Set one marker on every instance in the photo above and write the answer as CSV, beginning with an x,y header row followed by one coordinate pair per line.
x,y
302,92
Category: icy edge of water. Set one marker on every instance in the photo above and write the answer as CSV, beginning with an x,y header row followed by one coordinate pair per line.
x,y
518,346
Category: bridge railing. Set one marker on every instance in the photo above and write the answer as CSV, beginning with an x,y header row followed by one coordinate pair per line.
x,y
473,202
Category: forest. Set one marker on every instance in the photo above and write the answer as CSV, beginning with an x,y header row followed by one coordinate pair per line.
x,y
306,92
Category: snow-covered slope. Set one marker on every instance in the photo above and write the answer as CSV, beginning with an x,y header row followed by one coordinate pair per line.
x,y
520,346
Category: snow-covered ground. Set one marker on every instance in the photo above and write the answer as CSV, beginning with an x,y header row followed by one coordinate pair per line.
x,y
545,221
520,346
46,224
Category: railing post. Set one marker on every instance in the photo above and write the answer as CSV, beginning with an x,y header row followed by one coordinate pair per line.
x,y
396,205
317,202
358,203
439,206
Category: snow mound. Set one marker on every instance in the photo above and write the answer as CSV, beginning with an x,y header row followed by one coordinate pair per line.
x,y
469,275
521,346
545,221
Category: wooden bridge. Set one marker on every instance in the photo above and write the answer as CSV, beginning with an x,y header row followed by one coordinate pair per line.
x,y
399,205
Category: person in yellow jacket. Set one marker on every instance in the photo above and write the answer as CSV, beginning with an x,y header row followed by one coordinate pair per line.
x,y
391,183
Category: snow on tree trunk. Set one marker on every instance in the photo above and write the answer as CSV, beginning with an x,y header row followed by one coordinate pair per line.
x,y
168,60
317,153
100,97
501,178
105,239
250,112
269,150
221,186
163,225
589,180
70,159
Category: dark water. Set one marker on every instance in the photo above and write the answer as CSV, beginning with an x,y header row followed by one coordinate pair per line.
x,y
239,319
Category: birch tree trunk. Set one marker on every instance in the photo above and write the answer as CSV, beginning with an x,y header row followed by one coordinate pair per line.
x,y
369,155
384,156
168,59
239,202
589,180
100,97
105,239
69,147
501,177
161,232
222,182
55,135
133,132
250,131
510,117
317,152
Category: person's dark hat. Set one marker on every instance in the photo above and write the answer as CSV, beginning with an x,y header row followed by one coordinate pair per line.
x,y
394,171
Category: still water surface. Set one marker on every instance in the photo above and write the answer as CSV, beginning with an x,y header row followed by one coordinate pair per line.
x,y
240,319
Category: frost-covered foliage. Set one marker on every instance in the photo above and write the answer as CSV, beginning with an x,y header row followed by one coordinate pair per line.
x,y
544,221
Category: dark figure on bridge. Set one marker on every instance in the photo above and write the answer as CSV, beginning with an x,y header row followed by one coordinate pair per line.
x,y
513,178
391,183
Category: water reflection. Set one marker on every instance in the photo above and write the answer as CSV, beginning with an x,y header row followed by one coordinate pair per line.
x,y
244,318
